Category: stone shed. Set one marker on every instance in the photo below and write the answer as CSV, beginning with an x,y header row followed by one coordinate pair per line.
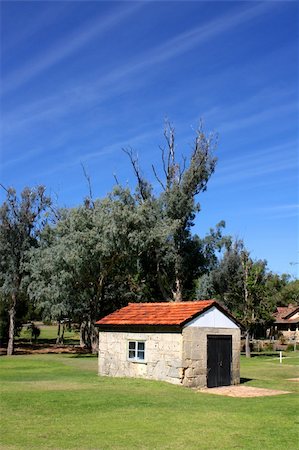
x,y
196,344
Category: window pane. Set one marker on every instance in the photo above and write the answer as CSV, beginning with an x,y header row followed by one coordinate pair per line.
x,y
140,345
131,353
140,354
132,345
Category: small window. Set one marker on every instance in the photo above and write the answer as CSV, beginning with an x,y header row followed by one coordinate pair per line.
x,y
136,350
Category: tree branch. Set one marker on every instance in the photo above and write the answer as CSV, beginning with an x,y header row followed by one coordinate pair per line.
x,y
88,183
141,182
157,178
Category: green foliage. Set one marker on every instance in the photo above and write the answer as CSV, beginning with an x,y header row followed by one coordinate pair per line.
x,y
128,246
22,312
87,265
177,257
289,294
244,286
34,331
21,220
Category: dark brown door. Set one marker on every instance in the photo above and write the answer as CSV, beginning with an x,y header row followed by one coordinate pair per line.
x,y
219,360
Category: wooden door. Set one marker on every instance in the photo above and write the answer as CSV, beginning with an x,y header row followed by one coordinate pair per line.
x,y
219,360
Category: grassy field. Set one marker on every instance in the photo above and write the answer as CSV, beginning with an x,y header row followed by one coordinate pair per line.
x,y
59,402
48,334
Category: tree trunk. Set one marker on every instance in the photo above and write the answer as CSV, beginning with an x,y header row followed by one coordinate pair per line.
x,y
247,344
177,294
160,281
246,302
58,332
82,335
94,339
62,334
12,321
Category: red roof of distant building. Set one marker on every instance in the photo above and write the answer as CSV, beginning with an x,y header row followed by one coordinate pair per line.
x,y
167,313
284,314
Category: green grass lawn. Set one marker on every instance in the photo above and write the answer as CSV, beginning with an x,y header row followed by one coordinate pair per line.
x,y
48,334
59,402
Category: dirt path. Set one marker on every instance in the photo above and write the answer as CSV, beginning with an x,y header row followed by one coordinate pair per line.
x,y
31,349
242,391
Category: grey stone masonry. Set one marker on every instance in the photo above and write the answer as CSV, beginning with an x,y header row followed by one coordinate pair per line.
x,y
194,354
163,355
178,357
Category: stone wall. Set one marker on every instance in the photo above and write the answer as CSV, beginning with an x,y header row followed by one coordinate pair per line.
x,y
195,354
173,357
163,355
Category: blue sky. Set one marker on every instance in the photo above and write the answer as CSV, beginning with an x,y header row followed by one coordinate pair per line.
x,y
81,80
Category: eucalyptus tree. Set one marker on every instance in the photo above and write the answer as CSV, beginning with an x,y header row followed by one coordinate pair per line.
x,y
21,221
85,267
289,292
243,285
174,252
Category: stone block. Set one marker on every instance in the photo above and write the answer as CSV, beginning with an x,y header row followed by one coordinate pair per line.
x,y
187,350
189,372
173,372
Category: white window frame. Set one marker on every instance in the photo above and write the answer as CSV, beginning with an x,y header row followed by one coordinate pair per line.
x,y
136,358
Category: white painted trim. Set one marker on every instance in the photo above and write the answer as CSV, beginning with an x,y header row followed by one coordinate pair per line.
x,y
212,318
136,359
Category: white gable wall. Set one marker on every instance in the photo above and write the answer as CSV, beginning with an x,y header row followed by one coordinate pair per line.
x,y
213,318
294,316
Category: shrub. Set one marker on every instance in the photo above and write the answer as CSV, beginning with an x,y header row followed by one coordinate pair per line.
x,y
268,346
33,330
290,347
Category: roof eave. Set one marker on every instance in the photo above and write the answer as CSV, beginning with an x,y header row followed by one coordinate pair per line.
x,y
139,328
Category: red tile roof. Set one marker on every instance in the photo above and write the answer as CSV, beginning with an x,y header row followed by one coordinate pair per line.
x,y
167,313
284,314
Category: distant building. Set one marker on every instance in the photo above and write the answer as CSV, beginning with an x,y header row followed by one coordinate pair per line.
x,y
196,344
287,322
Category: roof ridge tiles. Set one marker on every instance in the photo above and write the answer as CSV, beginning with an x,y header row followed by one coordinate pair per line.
x,y
158,313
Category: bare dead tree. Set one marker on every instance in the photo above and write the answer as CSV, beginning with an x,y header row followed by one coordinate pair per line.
x,y
116,179
89,202
143,185
181,183
173,170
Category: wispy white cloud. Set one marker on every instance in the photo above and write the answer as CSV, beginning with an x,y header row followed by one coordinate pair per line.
x,y
257,155
197,35
284,207
260,117
84,93
69,45
186,41
277,211
33,25
256,164
99,153
283,211
55,142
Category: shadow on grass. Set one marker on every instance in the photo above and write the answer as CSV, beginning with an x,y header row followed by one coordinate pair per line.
x,y
45,341
85,355
262,355
46,346
245,380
